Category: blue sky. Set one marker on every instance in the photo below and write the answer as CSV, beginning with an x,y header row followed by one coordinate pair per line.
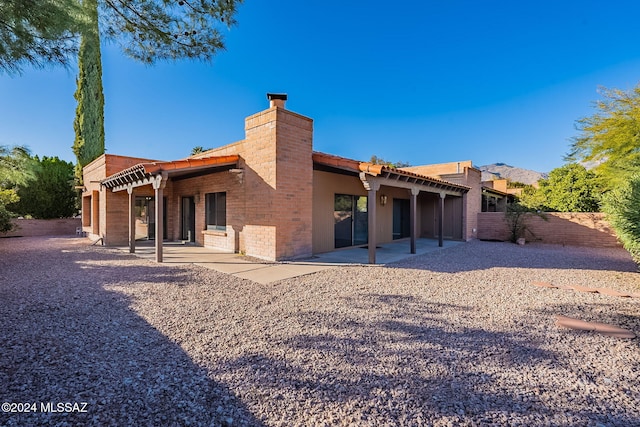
x,y
418,81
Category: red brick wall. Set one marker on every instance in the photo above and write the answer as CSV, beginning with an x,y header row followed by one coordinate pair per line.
x,y
116,217
259,155
44,227
109,211
572,229
473,201
278,174
293,209
197,188
269,212
93,219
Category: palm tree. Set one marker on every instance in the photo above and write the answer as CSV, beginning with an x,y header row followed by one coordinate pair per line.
x,y
199,149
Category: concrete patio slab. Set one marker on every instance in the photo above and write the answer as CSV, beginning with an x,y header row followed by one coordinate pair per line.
x,y
176,253
385,254
273,273
226,262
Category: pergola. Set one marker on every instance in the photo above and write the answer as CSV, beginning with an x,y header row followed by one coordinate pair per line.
x,y
157,174
375,176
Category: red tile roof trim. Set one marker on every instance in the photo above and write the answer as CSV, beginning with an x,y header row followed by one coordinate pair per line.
x,y
141,170
152,168
494,191
336,161
375,170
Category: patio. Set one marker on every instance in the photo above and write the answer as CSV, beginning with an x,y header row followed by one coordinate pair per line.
x,y
176,253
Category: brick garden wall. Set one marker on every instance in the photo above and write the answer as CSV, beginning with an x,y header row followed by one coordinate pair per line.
x,y
44,227
572,229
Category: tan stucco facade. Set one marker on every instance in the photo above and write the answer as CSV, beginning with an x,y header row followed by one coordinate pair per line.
x,y
326,185
279,196
465,174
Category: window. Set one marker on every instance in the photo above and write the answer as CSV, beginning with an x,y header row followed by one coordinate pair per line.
x,y
216,211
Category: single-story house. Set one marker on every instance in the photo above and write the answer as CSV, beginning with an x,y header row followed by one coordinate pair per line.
x,y
271,196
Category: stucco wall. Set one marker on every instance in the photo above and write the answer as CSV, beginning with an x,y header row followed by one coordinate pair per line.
x,y
325,186
462,173
572,229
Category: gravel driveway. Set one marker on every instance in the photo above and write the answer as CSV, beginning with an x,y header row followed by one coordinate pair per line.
x,y
455,337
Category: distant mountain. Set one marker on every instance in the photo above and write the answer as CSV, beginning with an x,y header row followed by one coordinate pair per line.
x,y
504,171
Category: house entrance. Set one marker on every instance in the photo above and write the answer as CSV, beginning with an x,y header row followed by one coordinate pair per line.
x,y
145,218
145,209
351,220
188,219
401,226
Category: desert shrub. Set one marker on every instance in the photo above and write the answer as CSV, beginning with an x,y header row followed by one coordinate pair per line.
x,y
6,217
622,206
516,219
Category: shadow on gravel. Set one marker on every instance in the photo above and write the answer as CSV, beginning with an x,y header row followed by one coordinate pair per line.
x,y
406,368
481,255
67,339
410,367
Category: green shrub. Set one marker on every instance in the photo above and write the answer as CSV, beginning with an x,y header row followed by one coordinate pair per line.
x,y
6,217
622,206
516,219
50,194
6,220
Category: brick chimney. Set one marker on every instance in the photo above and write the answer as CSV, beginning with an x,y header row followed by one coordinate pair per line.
x,y
277,99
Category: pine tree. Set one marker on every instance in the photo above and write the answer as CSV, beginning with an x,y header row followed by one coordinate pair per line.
x,y
44,32
89,120
38,33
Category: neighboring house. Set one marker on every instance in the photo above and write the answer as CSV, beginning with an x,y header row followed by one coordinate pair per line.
x,y
271,196
496,196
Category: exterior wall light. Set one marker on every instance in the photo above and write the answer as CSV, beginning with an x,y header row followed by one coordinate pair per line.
x,y
383,199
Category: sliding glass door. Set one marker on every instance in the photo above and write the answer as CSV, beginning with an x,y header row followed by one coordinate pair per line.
x,y
188,219
351,227
145,211
401,224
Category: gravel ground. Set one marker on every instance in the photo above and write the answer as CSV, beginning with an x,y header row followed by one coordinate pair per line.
x,y
456,337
